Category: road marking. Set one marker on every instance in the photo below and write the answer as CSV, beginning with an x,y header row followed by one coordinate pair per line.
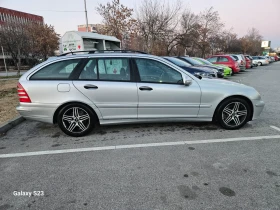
x,y
274,127
130,146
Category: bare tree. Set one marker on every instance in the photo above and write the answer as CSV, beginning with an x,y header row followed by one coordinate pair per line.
x,y
42,40
117,19
254,37
13,38
210,26
189,31
157,25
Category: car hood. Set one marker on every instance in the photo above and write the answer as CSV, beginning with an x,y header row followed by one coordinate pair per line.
x,y
229,87
205,68
222,82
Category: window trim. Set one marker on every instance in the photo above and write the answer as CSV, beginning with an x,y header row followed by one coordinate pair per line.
x,y
137,74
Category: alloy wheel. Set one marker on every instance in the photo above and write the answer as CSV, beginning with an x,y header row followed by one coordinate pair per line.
x,y
234,114
76,120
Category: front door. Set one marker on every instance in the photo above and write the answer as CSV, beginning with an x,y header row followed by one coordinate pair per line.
x,y
162,93
107,83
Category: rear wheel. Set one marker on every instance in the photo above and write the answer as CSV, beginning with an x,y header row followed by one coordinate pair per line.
x,y
233,113
76,120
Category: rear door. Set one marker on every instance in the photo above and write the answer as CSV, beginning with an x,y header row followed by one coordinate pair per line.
x,y
107,82
161,92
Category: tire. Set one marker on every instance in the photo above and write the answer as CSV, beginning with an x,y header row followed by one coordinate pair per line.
x,y
72,123
229,117
260,63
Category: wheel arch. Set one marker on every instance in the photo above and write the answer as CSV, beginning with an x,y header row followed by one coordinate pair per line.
x,y
235,96
73,102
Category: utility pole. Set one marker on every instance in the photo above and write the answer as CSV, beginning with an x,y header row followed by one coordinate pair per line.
x,y
4,61
86,13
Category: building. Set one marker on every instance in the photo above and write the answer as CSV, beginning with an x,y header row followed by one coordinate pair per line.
x,y
91,27
8,15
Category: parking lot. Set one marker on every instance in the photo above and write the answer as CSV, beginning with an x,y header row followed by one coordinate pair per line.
x,y
149,166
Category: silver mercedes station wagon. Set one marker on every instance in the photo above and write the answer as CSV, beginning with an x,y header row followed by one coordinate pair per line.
x,y
80,91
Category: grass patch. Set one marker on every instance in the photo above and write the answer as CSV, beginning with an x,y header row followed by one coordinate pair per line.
x,y
8,100
8,77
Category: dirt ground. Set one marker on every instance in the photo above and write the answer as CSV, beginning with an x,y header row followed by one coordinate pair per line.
x,y
8,100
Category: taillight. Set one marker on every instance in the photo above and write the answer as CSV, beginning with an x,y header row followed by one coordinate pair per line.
x,y
22,94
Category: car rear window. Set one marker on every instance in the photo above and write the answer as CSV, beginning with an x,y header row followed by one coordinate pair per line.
x,y
60,70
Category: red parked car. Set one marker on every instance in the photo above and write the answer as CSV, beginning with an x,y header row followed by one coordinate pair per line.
x,y
276,58
248,63
227,60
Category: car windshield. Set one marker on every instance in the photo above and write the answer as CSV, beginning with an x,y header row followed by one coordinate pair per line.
x,y
192,61
178,62
203,61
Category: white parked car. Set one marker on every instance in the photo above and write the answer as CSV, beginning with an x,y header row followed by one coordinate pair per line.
x,y
261,60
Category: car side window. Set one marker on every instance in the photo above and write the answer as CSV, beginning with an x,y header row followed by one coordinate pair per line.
x,y
157,72
223,59
90,71
56,71
212,60
114,69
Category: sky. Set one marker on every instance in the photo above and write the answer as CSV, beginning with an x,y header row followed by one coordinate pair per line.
x,y
238,14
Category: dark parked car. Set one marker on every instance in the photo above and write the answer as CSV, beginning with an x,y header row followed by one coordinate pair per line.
x,y
193,62
198,71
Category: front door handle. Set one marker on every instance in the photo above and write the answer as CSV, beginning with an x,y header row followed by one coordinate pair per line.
x,y
145,88
90,87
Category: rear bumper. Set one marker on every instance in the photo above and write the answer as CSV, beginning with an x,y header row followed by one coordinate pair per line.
x,y
242,68
258,108
38,112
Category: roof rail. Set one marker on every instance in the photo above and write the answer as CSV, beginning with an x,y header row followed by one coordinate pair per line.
x,y
103,51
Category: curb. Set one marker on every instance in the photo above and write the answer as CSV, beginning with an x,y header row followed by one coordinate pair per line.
x,y
11,124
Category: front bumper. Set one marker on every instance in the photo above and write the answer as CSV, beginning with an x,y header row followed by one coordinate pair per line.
x,y
258,108
227,72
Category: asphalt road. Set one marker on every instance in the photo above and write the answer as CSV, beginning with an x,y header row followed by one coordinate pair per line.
x,y
141,167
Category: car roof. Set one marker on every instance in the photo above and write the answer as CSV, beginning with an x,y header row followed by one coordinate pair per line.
x,y
103,54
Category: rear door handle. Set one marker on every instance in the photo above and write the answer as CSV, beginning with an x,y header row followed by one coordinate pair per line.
x,y
145,88
90,87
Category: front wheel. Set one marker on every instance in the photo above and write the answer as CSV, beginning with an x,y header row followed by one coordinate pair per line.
x,y
260,63
76,120
233,113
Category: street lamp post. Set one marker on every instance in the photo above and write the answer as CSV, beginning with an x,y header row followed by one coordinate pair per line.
x,y
86,13
4,61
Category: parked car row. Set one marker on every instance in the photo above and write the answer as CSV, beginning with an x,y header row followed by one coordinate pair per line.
x,y
240,62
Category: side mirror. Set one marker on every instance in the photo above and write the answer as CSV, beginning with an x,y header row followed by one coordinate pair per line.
x,y
186,80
